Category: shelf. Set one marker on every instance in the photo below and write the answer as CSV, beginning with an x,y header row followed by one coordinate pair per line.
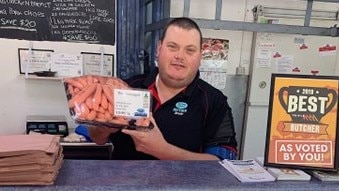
x,y
35,77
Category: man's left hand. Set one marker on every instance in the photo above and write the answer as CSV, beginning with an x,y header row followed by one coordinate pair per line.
x,y
149,141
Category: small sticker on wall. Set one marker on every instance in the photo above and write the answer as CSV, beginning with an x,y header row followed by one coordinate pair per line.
x,y
296,69
303,46
277,55
328,50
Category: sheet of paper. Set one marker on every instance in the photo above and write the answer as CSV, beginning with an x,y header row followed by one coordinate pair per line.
x,y
214,72
284,64
264,58
93,64
132,103
67,64
213,68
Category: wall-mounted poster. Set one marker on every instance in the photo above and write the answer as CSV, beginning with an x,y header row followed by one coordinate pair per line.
x,y
34,60
302,122
67,65
213,68
97,64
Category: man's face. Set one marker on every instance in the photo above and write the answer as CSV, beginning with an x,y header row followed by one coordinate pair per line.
x,y
179,56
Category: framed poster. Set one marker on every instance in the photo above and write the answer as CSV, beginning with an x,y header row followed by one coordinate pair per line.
x,y
302,122
67,65
97,64
35,60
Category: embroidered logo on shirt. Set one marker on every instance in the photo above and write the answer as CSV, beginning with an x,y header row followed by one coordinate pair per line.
x,y
180,108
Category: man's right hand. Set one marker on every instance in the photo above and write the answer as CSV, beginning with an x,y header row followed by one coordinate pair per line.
x,y
100,134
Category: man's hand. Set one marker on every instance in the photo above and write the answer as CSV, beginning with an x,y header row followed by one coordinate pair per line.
x,y
153,143
149,141
100,134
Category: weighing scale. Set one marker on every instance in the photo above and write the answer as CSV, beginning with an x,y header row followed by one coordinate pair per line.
x,y
47,124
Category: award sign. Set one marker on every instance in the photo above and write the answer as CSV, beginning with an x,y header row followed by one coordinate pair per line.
x,y
302,122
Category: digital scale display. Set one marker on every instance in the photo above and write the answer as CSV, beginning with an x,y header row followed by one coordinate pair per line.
x,y
55,125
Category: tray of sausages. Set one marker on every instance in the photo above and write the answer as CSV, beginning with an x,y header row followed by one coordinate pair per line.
x,y
91,101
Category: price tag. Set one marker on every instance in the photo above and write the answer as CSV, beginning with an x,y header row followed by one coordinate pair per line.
x,y
132,103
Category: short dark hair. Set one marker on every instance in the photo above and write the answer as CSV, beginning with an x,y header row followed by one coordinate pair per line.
x,y
182,22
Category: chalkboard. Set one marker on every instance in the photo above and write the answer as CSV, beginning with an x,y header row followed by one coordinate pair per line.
x,y
89,21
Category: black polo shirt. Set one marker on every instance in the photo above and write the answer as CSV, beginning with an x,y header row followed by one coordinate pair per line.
x,y
194,119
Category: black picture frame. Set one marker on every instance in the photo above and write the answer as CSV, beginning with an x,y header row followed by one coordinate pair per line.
x,y
35,64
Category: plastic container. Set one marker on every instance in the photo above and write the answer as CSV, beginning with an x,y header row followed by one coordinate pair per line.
x,y
106,101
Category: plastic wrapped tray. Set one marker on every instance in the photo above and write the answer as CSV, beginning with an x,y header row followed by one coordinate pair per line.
x,y
91,101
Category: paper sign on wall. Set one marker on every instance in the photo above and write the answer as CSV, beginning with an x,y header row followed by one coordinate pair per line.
x,y
67,64
96,64
302,122
37,60
213,68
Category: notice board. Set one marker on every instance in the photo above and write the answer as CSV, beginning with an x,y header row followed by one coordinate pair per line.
x,y
302,127
87,21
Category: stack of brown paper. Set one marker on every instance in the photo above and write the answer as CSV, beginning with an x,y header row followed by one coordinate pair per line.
x,y
29,159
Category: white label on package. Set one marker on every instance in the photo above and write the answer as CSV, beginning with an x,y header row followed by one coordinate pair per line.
x,y
131,103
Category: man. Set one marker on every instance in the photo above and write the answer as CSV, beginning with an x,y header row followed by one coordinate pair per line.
x,y
192,120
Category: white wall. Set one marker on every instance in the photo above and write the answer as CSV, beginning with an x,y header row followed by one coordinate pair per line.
x,y
20,97
240,51
254,136
240,41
